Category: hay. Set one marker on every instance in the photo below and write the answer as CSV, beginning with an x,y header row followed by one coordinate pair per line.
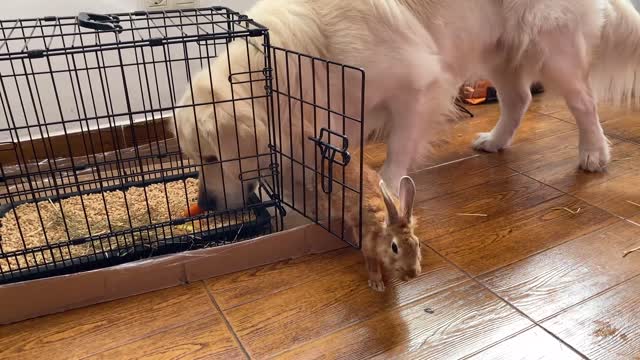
x,y
636,249
572,212
629,252
633,203
66,220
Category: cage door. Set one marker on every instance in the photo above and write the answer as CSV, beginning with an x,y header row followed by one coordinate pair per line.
x,y
317,136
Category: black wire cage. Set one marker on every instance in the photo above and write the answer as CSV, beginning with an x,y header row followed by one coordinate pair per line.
x,y
91,173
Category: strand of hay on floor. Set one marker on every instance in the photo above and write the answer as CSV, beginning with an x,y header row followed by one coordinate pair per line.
x,y
631,251
66,220
633,203
572,212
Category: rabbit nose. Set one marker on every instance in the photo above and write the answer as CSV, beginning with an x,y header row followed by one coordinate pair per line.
x,y
409,274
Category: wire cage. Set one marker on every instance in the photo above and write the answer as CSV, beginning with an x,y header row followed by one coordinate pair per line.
x,y
92,173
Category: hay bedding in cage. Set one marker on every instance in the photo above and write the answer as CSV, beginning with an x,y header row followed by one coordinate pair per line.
x,y
65,220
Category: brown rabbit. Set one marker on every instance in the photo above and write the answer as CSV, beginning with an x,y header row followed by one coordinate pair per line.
x,y
388,239
388,232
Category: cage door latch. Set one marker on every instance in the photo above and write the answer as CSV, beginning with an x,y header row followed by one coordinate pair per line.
x,y
99,22
328,151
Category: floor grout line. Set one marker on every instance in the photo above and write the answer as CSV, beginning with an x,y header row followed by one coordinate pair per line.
x,y
134,340
621,283
601,122
621,139
149,335
555,117
212,299
492,345
475,279
462,280
571,195
516,173
311,278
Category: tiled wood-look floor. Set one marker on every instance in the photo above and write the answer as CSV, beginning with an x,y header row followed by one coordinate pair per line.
x,y
525,281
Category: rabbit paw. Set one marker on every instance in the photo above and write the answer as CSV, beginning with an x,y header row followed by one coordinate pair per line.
x,y
377,285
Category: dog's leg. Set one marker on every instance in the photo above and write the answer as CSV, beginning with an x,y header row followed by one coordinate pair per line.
x,y
418,115
400,154
566,68
594,147
408,132
514,95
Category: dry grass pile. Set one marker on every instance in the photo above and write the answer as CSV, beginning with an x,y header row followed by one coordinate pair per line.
x,y
66,220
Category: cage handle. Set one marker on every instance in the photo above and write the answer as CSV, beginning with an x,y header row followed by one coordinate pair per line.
x,y
99,22
328,153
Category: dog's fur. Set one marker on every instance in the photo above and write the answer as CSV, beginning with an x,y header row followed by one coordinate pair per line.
x,y
416,53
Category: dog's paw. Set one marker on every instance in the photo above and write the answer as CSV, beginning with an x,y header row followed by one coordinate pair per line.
x,y
377,285
595,160
489,143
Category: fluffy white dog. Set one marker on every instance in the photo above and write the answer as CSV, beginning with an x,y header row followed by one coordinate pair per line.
x,y
415,53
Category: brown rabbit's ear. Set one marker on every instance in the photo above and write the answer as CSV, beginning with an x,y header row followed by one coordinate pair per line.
x,y
407,197
392,211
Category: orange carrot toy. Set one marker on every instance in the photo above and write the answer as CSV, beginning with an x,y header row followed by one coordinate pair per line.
x,y
193,210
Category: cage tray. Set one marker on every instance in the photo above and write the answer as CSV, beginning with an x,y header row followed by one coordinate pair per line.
x,y
260,224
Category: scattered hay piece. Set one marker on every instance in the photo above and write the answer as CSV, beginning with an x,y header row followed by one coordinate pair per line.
x,y
633,203
629,252
605,329
187,227
478,215
572,212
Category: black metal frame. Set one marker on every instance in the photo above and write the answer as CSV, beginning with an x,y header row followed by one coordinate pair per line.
x,y
104,137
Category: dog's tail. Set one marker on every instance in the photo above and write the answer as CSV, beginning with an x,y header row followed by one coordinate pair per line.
x,y
616,67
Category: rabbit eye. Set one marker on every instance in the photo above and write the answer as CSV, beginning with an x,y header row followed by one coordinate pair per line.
x,y
394,247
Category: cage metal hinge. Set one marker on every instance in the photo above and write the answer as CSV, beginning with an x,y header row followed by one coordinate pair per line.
x,y
247,77
156,41
99,22
253,32
266,187
261,177
268,76
328,152
36,53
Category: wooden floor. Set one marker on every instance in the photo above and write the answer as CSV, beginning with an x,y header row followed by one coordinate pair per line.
x,y
528,280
